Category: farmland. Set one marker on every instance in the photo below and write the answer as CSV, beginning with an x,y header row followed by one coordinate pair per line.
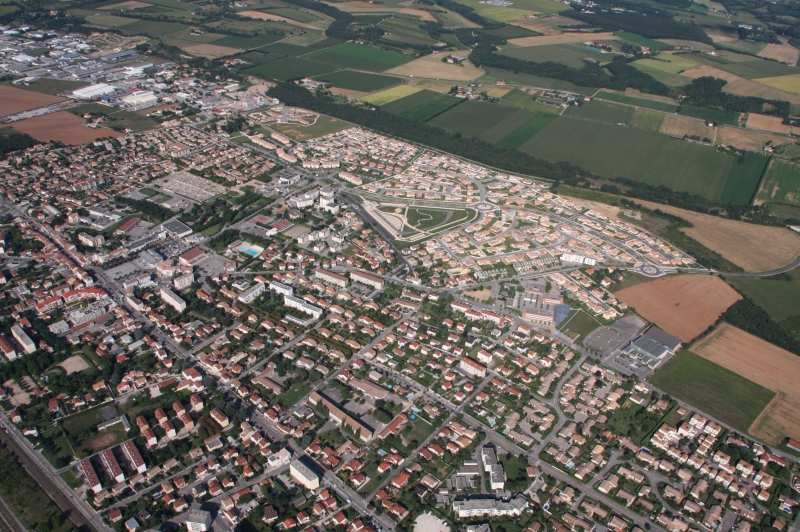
x,y
740,85
766,365
431,66
641,41
639,102
779,296
702,299
517,138
681,125
722,393
781,183
16,100
490,122
715,115
517,98
669,64
600,111
421,105
785,53
790,83
290,68
359,81
349,55
390,95
567,54
61,126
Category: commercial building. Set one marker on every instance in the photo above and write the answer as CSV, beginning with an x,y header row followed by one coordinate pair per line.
x,y
198,520
367,279
192,257
177,228
252,293
653,347
93,91
7,348
327,276
173,300
490,507
24,340
304,475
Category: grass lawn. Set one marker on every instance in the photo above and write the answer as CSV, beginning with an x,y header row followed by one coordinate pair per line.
x,y
423,219
579,325
713,389
779,295
322,126
149,192
60,450
118,120
50,86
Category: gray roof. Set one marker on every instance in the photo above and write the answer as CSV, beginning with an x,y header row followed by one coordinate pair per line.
x,y
664,338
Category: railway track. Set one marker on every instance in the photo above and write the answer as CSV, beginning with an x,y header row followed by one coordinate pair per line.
x,y
47,484
9,521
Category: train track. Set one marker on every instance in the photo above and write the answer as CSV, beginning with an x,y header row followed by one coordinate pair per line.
x,y
51,489
9,521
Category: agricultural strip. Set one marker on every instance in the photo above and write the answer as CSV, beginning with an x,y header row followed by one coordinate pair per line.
x,y
361,57
781,183
390,95
422,105
359,81
639,102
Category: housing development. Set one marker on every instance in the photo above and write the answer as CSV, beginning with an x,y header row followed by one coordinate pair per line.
x,y
251,316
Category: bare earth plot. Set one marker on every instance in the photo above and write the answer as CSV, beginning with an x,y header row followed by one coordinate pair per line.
x,y
431,66
74,364
479,295
742,86
767,123
62,126
683,305
681,125
274,16
211,50
130,4
545,26
422,14
14,100
560,38
781,52
765,364
755,248
747,140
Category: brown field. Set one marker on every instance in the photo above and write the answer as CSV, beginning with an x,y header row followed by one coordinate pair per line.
x,y
479,295
633,93
432,85
723,38
767,123
756,248
781,52
765,364
106,440
681,125
739,85
273,16
431,66
18,396
14,100
211,50
356,6
74,364
422,14
560,38
545,26
701,298
746,140
130,4
62,126
348,93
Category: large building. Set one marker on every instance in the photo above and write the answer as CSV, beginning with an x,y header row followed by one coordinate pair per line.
x,y
490,507
302,305
173,300
367,279
24,340
192,257
330,277
470,367
112,466
7,348
653,347
249,295
497,477
183,281
304,475
134,458
198,520
90,476
283,289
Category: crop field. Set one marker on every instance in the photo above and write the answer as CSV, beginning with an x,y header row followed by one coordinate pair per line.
x,y
419,13
155,28
290,68
62,126
781,183
715,115
406,29
681,125
702,299
767,365
359,81
520,136
50,86
647,120
743,179
475,118
779,296
790,83
720,392
511,32
639,102
118,119
747,67
561,38
422,105
756,248
768,123
295,14
211,51
431,66
568,54
390,95
518,98
600,111
110,21
746,139
641,41
748,47
672,80
14,100
669,64
247,43
361,57
786,53
744,87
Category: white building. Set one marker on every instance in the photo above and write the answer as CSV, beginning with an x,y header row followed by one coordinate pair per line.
x,y
302,305
93,91
327,276
198,520
304,475
252,293
367,279
470,367
24,340
173,300
283,289
491,507
183,281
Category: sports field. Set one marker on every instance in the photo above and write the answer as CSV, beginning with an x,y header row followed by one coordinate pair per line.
x,y
361,57
421,105
781,183
579,325
717,391
390,95
359,81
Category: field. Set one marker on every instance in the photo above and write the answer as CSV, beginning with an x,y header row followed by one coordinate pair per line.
x,y
421,105
567,54
359,81
424,219
545,26
361,57
51,86
769,366
322,126
600,111
61,126
247,43
431,66
743,179
518,98
779,296
405,29
647,120
211,51
781,183
745,87
290,68
478,295
579,325
487,121
14,100
672,80
785,53
520,136
560,38
118,119
767,123
641,41
74,364
716,391
390,95
669,64
680,125
756,248
715,115
789,83
261,15
701,298
639,102
745,139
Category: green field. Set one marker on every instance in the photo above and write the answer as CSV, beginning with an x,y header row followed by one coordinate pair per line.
x,y
406,30
599,111
395,93
50,86
118,120
520,136
778,295
493,74
322,126
511,32
715,115
713,389
110,21
249,42
290,68
421,105
294,14
743,179
647,120
361,57
359,81
781,184
669,64
751,68
484,120
154,28
641,41
424,219
567,54
517,98
639,102
579,325
672,80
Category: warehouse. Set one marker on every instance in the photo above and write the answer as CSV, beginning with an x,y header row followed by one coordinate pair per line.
x,y
93,91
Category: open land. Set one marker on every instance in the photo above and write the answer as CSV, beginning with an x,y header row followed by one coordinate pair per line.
x,y
767,365
789,83
74,364
478,295
560,38
14,100
431,66
683,305
681,125
755,248
762,88
743,139
274,16
781,52
768,123
422,14
211,50
781,183
390,95
61,126
129,4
